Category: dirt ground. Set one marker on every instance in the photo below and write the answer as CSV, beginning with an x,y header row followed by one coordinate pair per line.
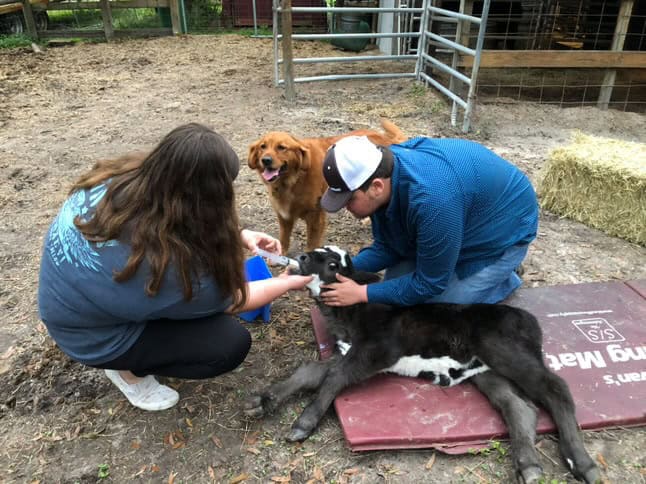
x,y
63,109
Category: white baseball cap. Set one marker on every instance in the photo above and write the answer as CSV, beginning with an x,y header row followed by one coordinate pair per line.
x,y
347,166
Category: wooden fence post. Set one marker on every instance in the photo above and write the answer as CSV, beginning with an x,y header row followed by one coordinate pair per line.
x,y
288,54
175,17
28,14
106,15
623,19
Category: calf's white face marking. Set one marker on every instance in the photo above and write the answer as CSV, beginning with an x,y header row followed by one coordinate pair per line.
x,y
315,284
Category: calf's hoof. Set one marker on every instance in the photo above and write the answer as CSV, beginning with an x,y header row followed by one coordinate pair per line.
x,y
530,474
298,434
590,476
258,405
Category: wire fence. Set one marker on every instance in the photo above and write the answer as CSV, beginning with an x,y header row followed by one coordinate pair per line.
x,y
562,87
530,26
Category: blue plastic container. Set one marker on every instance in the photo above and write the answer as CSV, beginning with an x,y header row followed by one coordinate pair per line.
x,y
255,270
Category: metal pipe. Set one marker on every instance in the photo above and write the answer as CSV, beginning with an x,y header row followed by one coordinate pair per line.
x,y
457,15
349,36
471,97
274,22
311,60
255,19
444,90
449,70
353,9
343,77
451,44
421,43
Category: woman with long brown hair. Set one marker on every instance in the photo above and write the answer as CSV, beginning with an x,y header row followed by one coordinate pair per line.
x,y
144,265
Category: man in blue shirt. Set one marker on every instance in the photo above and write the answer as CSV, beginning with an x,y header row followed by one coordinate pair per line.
x,y
451,220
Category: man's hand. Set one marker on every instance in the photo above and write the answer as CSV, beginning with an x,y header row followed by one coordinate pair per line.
x,y
346,292
254,240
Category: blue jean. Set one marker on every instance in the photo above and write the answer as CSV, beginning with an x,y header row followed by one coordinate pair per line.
x,y
489,285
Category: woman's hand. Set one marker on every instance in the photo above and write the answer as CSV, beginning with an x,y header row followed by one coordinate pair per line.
x,y
346,292
254,240
295,281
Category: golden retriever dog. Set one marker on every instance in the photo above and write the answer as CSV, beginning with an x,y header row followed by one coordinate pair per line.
x,y
292,170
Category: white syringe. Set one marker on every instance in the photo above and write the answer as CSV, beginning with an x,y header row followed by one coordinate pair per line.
x,y
278,259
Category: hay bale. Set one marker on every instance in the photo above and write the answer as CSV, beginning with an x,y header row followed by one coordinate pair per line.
x,y
600,182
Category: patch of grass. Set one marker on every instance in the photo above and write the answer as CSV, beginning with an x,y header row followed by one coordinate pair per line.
x,y
104,471
127,18
13,41
418,89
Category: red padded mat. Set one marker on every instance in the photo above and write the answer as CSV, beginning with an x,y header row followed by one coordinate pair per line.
x,y
594,337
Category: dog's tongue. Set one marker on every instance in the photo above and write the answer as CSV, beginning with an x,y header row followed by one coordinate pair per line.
x,y
269,174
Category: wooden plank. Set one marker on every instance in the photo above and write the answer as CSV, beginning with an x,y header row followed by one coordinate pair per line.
x,y
623,19
106,15
30,22
599,59
119,34
113,5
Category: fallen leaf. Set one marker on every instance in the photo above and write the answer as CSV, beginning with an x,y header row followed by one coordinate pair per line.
x,y
171,477
318,474
216,441
252,450
135,445
268,442
189,422
141,471
350,472
154,468
602,461
281,479
239,478
431,461
212,473
252,438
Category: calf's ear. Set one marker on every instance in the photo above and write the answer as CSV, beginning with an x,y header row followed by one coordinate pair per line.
x,y
363,278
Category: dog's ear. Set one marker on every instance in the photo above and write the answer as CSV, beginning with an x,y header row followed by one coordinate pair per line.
x,y
305,160
253,158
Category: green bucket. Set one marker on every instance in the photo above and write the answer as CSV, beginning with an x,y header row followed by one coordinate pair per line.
x,y
351,23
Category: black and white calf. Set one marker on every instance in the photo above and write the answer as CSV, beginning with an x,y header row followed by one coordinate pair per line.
x,y
498,347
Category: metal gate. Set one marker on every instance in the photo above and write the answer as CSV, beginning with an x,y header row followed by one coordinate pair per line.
x,y
434,55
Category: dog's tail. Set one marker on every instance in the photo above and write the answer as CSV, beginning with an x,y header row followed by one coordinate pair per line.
x,y
392,131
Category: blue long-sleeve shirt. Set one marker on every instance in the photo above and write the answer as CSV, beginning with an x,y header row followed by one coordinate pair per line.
x,y
91,317
455,206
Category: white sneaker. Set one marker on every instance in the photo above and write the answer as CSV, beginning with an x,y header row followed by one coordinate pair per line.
x,y
148,394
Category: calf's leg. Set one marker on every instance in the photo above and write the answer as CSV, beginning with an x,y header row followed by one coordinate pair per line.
x,y
520,417
552,392
529,373
307,377
348,370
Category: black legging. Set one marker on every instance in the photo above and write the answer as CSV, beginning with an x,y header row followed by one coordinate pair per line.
x,y
191,348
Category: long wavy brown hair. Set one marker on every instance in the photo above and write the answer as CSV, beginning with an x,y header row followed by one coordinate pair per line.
x,y
176,207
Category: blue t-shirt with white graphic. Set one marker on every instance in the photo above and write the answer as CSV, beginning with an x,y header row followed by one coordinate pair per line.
x,y
455,207
93,318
